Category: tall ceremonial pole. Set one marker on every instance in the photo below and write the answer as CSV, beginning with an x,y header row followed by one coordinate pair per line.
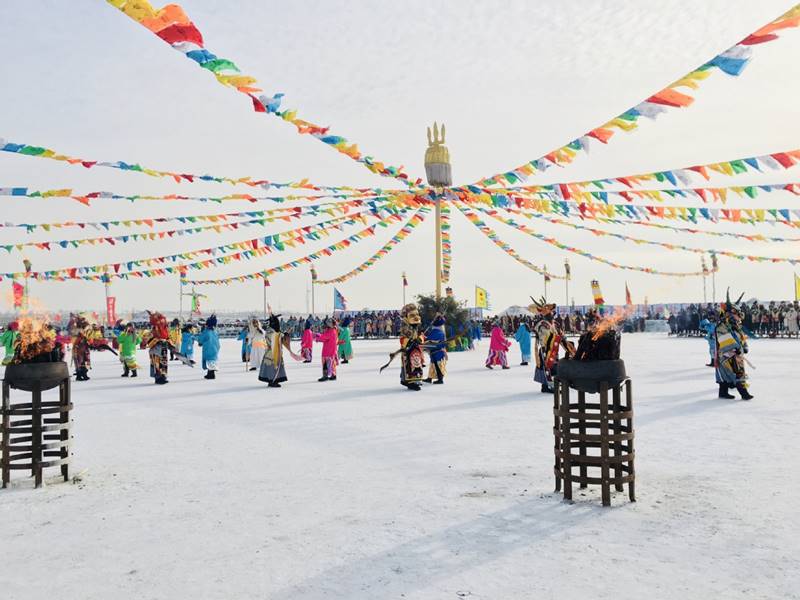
x,y
313,282
567,277
714,268
440,176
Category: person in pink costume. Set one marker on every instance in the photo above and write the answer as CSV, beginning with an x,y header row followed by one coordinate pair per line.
x,y
498,346
330,349
307,342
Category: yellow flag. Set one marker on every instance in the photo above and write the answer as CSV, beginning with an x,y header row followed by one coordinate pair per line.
x,y
796,287
481,298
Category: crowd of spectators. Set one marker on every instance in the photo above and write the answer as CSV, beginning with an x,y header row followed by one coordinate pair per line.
x,y
776,319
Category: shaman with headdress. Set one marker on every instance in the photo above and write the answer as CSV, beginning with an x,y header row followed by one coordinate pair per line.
x,y
158,346
549,338
411,340
272,370
412,355
731,346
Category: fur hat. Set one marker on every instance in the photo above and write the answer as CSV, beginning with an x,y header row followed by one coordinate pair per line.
x,y
275,323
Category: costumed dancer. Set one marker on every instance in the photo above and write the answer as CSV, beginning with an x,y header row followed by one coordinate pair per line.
x,y
330,342
709,327
188,338
523,337
174,338
411,341
272,369
731,346
345,345
158,346
498,347
307,342
81,355
7,339
258,343
549,338
128,341
209,341
244,337
436,343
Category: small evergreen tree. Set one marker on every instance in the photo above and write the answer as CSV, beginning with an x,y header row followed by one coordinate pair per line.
x,y
455,315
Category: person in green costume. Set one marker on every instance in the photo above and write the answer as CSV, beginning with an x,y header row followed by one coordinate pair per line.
x,y
128,340
8,338
345,347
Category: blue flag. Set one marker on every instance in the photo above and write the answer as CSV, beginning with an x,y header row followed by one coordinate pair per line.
x,y
339,301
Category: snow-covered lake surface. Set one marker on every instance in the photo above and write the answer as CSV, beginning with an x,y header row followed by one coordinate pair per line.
x,y
360,489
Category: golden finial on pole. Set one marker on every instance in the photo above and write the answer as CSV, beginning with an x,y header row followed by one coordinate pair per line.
x,y
440,175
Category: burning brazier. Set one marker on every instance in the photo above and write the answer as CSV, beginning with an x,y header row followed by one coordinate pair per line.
x,y
35,434
595,438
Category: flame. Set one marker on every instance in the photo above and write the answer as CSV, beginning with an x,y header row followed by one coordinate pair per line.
x,y
609,322
35,337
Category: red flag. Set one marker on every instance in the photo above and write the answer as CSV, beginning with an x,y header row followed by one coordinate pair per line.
x,y
111,310
628,301
19,293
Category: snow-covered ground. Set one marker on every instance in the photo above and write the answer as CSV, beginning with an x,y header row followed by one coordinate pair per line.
x,y
360,489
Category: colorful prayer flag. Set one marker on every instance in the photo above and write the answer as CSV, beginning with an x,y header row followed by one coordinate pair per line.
x,y
628,300
598,295
796,287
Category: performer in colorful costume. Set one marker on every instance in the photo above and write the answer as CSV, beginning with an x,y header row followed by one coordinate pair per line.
x,y
345,345
271,369
7,339
307,342
523,337
411,340
188,338
158,347
174,338
436,343
709,327
498,347
330,342
128,342
731,346
209,341
549,338
244,337
258,343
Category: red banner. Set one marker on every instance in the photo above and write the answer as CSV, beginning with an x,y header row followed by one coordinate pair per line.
x,y
19,294
111,310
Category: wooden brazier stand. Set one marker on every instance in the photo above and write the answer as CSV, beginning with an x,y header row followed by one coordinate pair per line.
x,y
596,437
39,439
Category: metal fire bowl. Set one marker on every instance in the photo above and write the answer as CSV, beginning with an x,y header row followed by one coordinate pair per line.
x,y
586,375
24,376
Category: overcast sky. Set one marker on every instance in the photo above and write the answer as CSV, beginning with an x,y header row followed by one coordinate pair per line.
x,y
512,80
